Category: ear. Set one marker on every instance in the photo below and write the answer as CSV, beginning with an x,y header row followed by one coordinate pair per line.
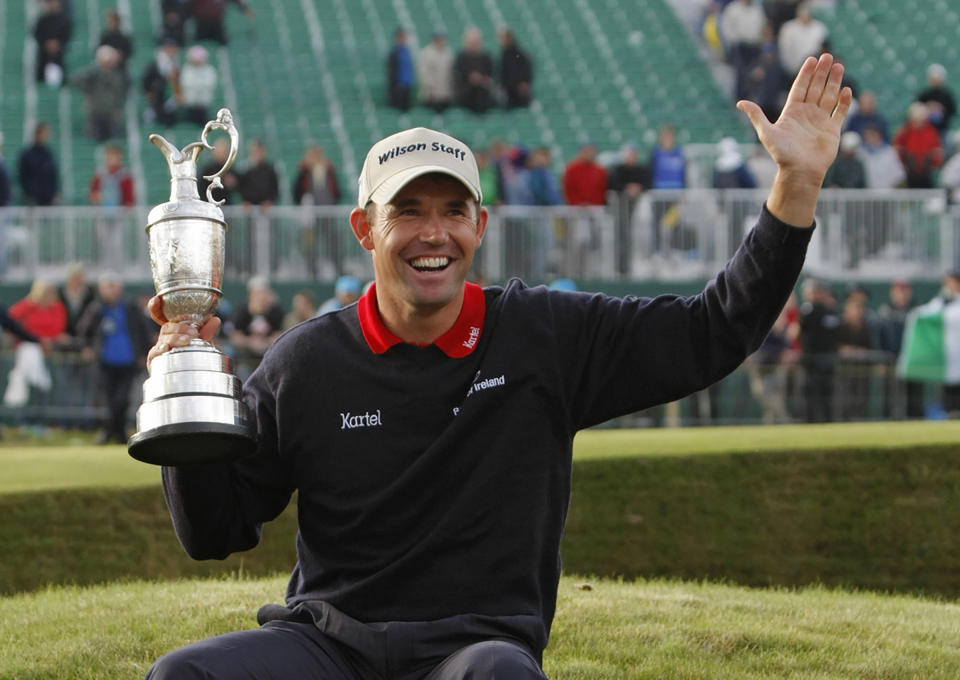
x,y
361,228
482,225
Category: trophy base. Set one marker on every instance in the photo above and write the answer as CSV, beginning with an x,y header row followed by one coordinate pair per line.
x,y
187,443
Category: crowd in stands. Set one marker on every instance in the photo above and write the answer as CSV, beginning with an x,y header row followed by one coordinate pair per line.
x,y
467,79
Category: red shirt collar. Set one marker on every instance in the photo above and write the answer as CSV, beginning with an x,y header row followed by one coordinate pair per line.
x,y
459,341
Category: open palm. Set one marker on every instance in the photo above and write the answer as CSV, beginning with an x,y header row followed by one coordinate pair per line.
x,y
805,138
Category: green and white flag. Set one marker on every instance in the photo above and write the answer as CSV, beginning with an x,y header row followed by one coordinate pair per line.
x,y
931,343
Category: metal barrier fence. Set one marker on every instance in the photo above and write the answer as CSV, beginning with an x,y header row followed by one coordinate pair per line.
x,y
864,388
663,235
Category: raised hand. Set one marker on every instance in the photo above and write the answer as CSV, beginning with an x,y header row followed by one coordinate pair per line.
x,y
805,138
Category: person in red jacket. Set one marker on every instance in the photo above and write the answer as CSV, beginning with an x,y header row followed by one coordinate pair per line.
x,y
112,188
585,180
42,313
919,146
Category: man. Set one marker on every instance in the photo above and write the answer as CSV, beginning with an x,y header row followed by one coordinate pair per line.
x,y
473,73
429,428
938,98
400,72
516,71
435,71
52,33
104,87
37,169
116,333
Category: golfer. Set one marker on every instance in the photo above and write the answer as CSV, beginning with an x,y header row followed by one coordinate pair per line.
x,y
428,428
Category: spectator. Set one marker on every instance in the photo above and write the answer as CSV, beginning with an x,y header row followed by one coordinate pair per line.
x,y
541,180
346,291
112,184
819,325
473,73
891,322
198,79
919,146
779,12
105,92
435,70
627,181
668,164
854,345
112,188
209,16
400,72
37,169
730,171
938,98
765,80
259,184
767,367
847,171
114,36
44,316
303,306
585,180
52,33
867,116
880,161
741,25
230,179
6,186
317,184
489,177
710,28
800,38
116,335
76,296
256,324
161,85
42,313
174,15
516,71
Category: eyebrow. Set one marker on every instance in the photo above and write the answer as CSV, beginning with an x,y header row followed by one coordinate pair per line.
x,y
412,202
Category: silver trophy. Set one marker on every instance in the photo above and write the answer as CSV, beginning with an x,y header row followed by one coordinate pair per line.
x,y
191,409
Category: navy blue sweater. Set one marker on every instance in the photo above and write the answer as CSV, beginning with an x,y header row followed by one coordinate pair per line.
x,y
433,486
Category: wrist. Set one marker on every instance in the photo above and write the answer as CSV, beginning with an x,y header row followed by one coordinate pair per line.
x,y
793,197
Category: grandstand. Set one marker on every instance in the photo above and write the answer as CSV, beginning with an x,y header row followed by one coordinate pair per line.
x,y
305,70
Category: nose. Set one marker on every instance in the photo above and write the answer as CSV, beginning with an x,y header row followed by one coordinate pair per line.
x,y
433,230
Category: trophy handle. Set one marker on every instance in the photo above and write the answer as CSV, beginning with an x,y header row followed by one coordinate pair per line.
x,y
223,122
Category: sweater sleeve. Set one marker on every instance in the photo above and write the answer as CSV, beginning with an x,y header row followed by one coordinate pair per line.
x,y
220,508
619,356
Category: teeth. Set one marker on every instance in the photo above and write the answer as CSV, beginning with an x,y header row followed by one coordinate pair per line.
x,y
430,262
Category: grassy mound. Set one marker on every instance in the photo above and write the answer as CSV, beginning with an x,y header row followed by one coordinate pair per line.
x,y
611,631
870,506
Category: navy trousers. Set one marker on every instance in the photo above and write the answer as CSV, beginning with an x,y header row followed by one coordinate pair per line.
x,y
289,650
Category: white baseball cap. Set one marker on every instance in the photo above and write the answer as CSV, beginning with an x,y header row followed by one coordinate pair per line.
x,y
396,160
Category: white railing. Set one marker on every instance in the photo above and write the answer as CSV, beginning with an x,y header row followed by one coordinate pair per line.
x,y
664,235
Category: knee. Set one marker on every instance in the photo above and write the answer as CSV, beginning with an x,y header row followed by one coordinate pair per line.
x,y
178,665
498,660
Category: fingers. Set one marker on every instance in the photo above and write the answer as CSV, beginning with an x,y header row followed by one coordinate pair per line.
x,y
755,114
798,91
843,104
818,81
155,307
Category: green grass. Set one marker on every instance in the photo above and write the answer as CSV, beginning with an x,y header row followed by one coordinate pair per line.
x,y
30,467
629,443
846,505
613,631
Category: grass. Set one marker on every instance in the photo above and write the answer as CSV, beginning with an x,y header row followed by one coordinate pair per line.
x,y
867,511
26,466
611,631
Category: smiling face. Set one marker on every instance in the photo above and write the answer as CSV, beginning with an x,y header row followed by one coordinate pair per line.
x,y
422,244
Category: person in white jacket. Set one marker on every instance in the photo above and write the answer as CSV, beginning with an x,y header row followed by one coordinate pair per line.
x,y
198,80
435,71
